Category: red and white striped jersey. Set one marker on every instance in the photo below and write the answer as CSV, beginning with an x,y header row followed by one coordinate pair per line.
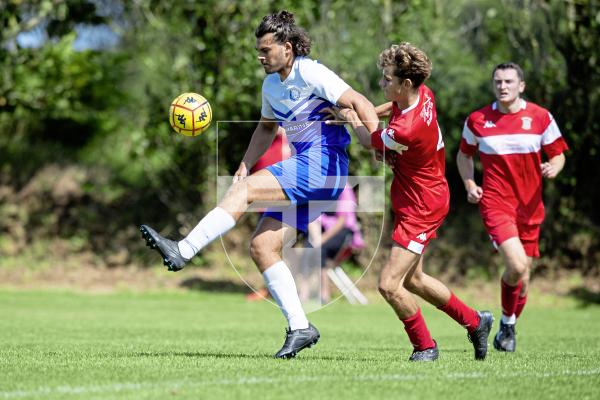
x,y
510,152
419,188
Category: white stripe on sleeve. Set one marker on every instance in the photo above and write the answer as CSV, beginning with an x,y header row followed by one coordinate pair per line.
x,y
551,133
469,136
440,139
387,137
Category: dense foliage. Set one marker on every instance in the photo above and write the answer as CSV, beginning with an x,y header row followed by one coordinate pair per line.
x,y
86,152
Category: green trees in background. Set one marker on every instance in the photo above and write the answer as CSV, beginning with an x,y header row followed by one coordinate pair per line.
x,y
93,117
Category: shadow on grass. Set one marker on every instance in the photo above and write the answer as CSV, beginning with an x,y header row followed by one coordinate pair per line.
x,y
214,286
585,296
210,354
201,354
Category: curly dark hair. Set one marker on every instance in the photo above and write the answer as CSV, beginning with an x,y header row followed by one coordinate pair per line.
x,y
284,29
409,61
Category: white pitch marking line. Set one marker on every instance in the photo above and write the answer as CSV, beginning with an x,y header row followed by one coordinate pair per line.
x,y
256,380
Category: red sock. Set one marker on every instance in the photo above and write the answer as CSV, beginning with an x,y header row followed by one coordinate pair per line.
x,y
520,305
461,313
510,297
417,332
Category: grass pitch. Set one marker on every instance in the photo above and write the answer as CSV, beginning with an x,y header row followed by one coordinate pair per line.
x,y
184,345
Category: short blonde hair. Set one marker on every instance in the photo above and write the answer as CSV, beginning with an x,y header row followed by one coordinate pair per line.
x,y
409,61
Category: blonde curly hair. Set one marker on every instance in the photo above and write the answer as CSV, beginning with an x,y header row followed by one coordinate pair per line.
x,y
409,61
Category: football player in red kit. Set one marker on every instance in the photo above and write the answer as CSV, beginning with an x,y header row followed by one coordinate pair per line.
x,y
412,143
510,134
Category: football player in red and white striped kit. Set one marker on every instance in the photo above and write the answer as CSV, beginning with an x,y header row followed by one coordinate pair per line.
x,y
413,146
510,135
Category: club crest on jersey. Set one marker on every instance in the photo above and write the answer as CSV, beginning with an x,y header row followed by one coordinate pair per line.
x,y
294,93
427,111
389,141
526,123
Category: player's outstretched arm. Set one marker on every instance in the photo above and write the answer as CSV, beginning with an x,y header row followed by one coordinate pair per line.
x,y
363,108
357,111
261,140
466,170
553,166
350,117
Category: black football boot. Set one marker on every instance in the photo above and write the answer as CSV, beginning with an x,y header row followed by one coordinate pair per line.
x,y
168,249
479,337
297,340
505,339
430,354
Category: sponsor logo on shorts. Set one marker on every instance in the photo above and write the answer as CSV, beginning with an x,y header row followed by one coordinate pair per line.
x,y
422,237
415,247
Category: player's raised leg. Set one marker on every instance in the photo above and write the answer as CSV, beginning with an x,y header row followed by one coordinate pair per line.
x,y
477,323
391,286
266,251
261,186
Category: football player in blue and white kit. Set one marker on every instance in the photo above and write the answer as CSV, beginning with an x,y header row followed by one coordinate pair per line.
x,y
294,93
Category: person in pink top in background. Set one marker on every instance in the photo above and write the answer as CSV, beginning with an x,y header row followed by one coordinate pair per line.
x,y
339,229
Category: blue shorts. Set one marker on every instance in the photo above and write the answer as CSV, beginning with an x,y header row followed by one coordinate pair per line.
x,y
312,180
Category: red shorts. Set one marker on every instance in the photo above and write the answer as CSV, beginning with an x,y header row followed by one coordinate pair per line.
x,y
502,226
413,234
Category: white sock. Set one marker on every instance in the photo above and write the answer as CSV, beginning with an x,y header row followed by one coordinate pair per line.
x,y
213,225
282,287
509,320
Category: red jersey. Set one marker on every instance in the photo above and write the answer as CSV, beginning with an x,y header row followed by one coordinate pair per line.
x,y
510,151
419,189
278,151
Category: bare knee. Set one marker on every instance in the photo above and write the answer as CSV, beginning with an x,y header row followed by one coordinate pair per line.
x,y
236,199
388,288
264,253
516,270
258,249
520,267
516,260
254,188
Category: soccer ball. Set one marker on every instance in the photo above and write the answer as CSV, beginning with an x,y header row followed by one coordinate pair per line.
x,y
190,114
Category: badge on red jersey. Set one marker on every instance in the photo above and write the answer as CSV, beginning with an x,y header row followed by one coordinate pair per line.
x,y
526,123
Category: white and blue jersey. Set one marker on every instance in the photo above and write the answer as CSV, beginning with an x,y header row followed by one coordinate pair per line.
x,y
297,101
317,171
